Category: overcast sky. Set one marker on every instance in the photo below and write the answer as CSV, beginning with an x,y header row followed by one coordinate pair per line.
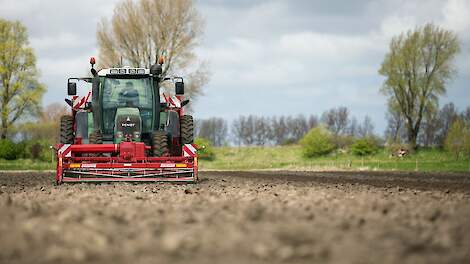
x,y
266,57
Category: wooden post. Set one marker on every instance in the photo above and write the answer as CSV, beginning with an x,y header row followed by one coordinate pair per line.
x,y
52,157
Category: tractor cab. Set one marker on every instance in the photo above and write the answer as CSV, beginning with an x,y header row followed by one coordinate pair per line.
x,y
129,104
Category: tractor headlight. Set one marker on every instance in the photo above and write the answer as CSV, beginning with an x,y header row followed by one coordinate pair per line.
x,y
119,134
136,134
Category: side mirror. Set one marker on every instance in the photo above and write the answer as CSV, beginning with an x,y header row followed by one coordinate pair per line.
x,y
72,88
179,88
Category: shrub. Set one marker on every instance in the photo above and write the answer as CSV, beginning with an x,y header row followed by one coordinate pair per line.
x,y
456,138
364,147
343,141
205,150
37,150
317,142
9,150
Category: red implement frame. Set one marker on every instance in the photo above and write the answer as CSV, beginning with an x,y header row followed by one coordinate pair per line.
x,y
126,161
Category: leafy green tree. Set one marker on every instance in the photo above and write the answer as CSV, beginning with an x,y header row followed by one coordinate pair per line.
x,y
417,68
20,91
364,146
317,142
457,136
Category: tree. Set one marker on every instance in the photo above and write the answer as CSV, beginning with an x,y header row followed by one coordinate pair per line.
x,y
336,120
394,133
280,130
417,67
20,91
213,129
141,31
455,140
353,127
46,127
428,135
366,129
298,127
466,116
447,115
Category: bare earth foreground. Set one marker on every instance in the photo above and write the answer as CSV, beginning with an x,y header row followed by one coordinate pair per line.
x,y
239,217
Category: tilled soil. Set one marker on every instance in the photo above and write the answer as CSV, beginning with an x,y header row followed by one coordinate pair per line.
x,y
239,217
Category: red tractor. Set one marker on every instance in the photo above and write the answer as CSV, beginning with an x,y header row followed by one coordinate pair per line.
x,y
126,129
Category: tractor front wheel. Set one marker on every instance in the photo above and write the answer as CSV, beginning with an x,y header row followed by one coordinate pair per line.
x,y
160,144
66,129
187,129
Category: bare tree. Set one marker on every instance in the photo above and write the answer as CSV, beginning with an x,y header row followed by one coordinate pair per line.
x,y
262,130
45,127
243,130
298,127
336,120
280,131
395,131
466,116
141,31
428,135
312,122
353,127
447,115
214,129
366,129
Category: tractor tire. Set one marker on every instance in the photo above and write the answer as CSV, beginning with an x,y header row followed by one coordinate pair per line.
x,y
187,129
160,144
66,129
96,137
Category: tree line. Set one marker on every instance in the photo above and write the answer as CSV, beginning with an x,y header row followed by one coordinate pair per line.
x,y
253,130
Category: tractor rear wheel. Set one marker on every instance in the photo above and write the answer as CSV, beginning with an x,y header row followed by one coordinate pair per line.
x,y
160,144
66,129
187,129
96,137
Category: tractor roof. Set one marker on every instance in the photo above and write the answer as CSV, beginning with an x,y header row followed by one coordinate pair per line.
x,y
124,71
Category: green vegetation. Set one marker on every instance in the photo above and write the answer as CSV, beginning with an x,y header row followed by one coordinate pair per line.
x,y
20,89
26,164
458,139
206,151
317,142
292,158
417,68
364,147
